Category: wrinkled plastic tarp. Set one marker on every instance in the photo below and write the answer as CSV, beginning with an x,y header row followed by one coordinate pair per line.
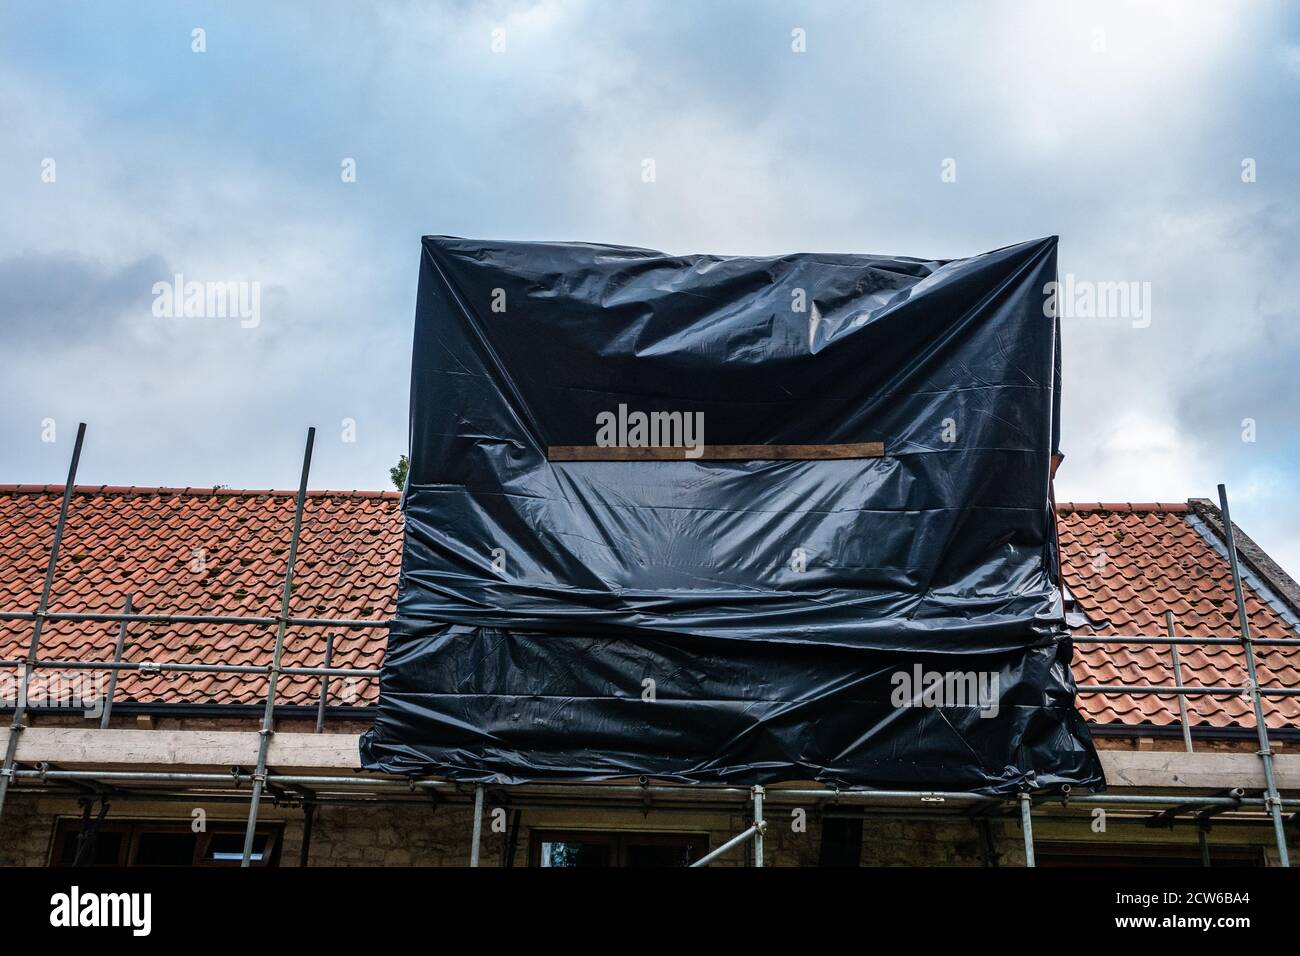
x,y
732,621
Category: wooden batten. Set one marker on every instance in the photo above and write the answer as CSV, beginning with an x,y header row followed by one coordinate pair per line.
x,y
870,449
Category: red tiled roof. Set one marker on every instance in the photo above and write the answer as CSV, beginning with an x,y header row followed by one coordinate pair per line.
x,y
1127,507
1123,563
203,551
1126,565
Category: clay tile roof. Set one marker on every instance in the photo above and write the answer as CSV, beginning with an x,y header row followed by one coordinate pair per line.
x,y
203,551
216,551
1125,565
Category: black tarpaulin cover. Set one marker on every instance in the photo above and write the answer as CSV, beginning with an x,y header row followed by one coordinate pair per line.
x,y
890,621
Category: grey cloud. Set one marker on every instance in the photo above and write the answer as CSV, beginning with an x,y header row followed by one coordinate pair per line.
x,y
64,299
1132,156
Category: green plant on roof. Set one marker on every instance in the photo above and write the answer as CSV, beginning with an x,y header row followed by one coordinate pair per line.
x,y
398,472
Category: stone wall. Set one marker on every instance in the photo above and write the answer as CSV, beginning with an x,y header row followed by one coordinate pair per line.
x,y
25,832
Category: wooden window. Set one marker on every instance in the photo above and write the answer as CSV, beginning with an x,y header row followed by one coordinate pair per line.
x,y
582,848
841,842
1143,854
163,843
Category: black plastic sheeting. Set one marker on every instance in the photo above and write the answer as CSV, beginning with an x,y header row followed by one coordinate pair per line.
x,y
733,621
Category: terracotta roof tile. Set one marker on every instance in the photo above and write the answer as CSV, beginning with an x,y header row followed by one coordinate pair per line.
x,y
1126,565
217,551
203,551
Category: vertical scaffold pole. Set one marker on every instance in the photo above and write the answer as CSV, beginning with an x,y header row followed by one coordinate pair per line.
x,y
268,714
325,682
1202,836
759,826
1178,681
308,817
1271,795
1027,825
476,837
42,607
107,715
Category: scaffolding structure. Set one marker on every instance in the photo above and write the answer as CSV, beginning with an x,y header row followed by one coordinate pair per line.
x,y
314,790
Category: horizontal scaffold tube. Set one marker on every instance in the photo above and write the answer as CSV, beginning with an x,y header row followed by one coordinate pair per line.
x,y
703,791
162,667
188,619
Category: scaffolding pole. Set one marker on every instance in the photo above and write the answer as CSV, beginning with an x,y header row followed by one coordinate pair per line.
x,y
325,683
698,795
236,619
161,667
1261,725
753,832
1162,639
165,667
737,840
118,649
308,817
268,715
20,705
1178,682
476,838
1027,825
1173,690
370,623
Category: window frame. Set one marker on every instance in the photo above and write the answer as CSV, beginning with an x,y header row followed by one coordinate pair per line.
x,y
695,843
67,828
1136,854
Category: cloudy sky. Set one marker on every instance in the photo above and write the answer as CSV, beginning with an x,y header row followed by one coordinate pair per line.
x,y
1132,130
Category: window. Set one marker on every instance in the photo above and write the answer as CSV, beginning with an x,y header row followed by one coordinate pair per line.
x,y
162,843
1143,854
841,842
579,848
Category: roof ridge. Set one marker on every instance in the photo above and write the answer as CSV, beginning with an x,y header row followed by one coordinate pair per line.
x,y
1126,507
7,489
1064,507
